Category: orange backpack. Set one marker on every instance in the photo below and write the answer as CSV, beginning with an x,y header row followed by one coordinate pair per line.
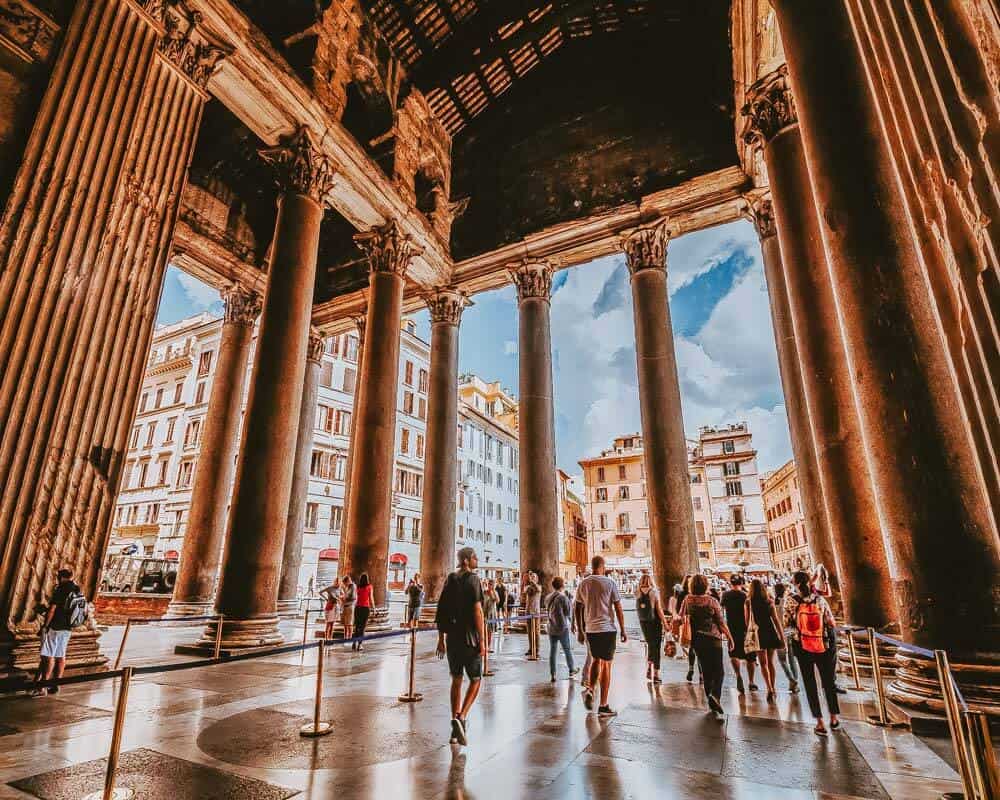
x,y
809,622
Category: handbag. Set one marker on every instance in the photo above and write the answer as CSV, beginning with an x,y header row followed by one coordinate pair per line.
x,y
751,642
685,637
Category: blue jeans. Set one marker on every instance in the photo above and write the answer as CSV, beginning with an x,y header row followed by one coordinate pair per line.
x,y
562,639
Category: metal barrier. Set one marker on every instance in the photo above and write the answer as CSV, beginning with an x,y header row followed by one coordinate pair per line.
x,y
110,773
411,696
317,728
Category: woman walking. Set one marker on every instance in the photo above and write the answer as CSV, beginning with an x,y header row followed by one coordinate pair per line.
x,y
653,621
331,611
708,631
788,663
811,620
490,611
761,612
362,610
734,603
348,597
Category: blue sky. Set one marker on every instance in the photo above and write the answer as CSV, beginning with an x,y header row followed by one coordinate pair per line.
x,y
722,328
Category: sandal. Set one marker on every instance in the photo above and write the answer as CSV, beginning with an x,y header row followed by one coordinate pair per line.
x,y
819,730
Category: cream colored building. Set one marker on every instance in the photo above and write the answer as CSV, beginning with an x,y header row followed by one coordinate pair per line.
x,y
786,524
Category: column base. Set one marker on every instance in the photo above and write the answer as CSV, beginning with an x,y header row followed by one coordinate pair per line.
x,y
237,635
289,609
196,609
916,686
19,656
428,615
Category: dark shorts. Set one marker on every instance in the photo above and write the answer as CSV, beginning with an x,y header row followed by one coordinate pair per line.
x,y
463,658
602,645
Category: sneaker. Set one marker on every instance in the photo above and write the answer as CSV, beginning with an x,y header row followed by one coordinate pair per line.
x,y
819,730
794,688
588,699
38,691
840,689
834,724
454,732
553,679
690,675
606,711
754,687
715,705
53,690
458,731
574,671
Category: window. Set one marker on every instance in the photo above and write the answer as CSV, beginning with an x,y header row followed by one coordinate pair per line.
x,y
184,474
351,348
605,545
734,488
600,474
339,467
602,494
204,363
409,483
420,446
488,473
602,521
133,515
142,401
312,516
415,530
321,465
489,446
461,532
741,544
343,423
399,527
143,472
326,374
621,472
134,441
461,436
479,471
623,492
696,501
422,408
332,345
324,419
408,373
696,477
171,424
737,512
422,384
408,403
645,519
161,478
623,522
192,434
471,468
404,441
199,392
728,446
350,380
153,513
731,468
499,481
489,509
178,391
461,501
150,433
699,528
159,398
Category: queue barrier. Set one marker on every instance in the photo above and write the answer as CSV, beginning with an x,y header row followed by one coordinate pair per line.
x,y
314,729
142,621
969,729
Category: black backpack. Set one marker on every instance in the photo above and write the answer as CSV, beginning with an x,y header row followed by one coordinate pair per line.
x,y
448,614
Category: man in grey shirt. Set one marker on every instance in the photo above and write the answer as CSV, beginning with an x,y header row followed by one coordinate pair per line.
x,y
596,597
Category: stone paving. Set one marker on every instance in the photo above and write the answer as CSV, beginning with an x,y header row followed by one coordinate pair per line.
x,y
231,731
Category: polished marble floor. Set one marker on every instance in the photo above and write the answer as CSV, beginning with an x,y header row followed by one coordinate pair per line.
x,y
231,731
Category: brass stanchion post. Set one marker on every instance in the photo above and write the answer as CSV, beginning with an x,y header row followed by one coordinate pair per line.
x,y
954,723
218,638
110,792
982,757
411,696
317,728
855,672
882,718
121,647
487,672
532,639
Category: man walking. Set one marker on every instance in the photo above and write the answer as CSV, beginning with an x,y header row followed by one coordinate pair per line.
x,y
596,596
559,627
67,609
462,637
533,607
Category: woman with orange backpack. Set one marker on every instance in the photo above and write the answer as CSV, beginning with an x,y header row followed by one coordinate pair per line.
x,y
808,616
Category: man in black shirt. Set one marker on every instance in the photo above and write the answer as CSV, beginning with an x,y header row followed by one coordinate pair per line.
x,y
462,637
55,632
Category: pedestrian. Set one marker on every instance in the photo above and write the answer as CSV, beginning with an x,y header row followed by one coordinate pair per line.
x,y
809,616
415,599
501,591
653,622
821,585
489,611
560,625
331,607
533,608
708,630
462,637
788,663
362,611
67,609
760,610
734,604
599,597
348,597
511,603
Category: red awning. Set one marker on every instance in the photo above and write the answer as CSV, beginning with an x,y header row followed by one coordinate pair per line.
x,y
397,558
330,554
171,555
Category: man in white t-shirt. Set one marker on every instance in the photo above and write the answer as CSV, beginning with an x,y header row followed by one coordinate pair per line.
x,y
596,598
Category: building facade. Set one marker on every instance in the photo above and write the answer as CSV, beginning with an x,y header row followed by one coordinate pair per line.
x,y
572,530
786,523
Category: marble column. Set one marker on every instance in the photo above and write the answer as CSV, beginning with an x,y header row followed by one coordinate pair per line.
x,y
852,516
814,507
291,560
538,503
664,447
437,545
941,545
364,546
84,242
202,550
251,563
359,324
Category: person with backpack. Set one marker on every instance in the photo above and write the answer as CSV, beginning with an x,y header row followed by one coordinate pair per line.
x,y
653,622
461,628
810,619
67,609
560,624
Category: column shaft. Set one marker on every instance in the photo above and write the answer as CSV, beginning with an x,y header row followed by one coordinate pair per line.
x,y
437,545
291,560
352,441
942,546
538,503
664,447
213,480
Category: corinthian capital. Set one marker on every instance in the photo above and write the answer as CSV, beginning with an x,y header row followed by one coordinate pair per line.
x,y
316,345
760,212
183,46
533,279
770,107
299,167
646,247
446,305
387,248
242,305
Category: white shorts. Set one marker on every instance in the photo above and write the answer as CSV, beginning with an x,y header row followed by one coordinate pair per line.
x,y
54,643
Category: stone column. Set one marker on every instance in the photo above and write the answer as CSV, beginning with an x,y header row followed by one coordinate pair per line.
x,y
437,546
803,448
538,503
291,561
213,479
83,246
941,545
251,564
364,546
664,447
852,516
359,323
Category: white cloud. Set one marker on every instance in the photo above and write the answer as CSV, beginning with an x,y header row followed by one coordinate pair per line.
x,y
199,294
